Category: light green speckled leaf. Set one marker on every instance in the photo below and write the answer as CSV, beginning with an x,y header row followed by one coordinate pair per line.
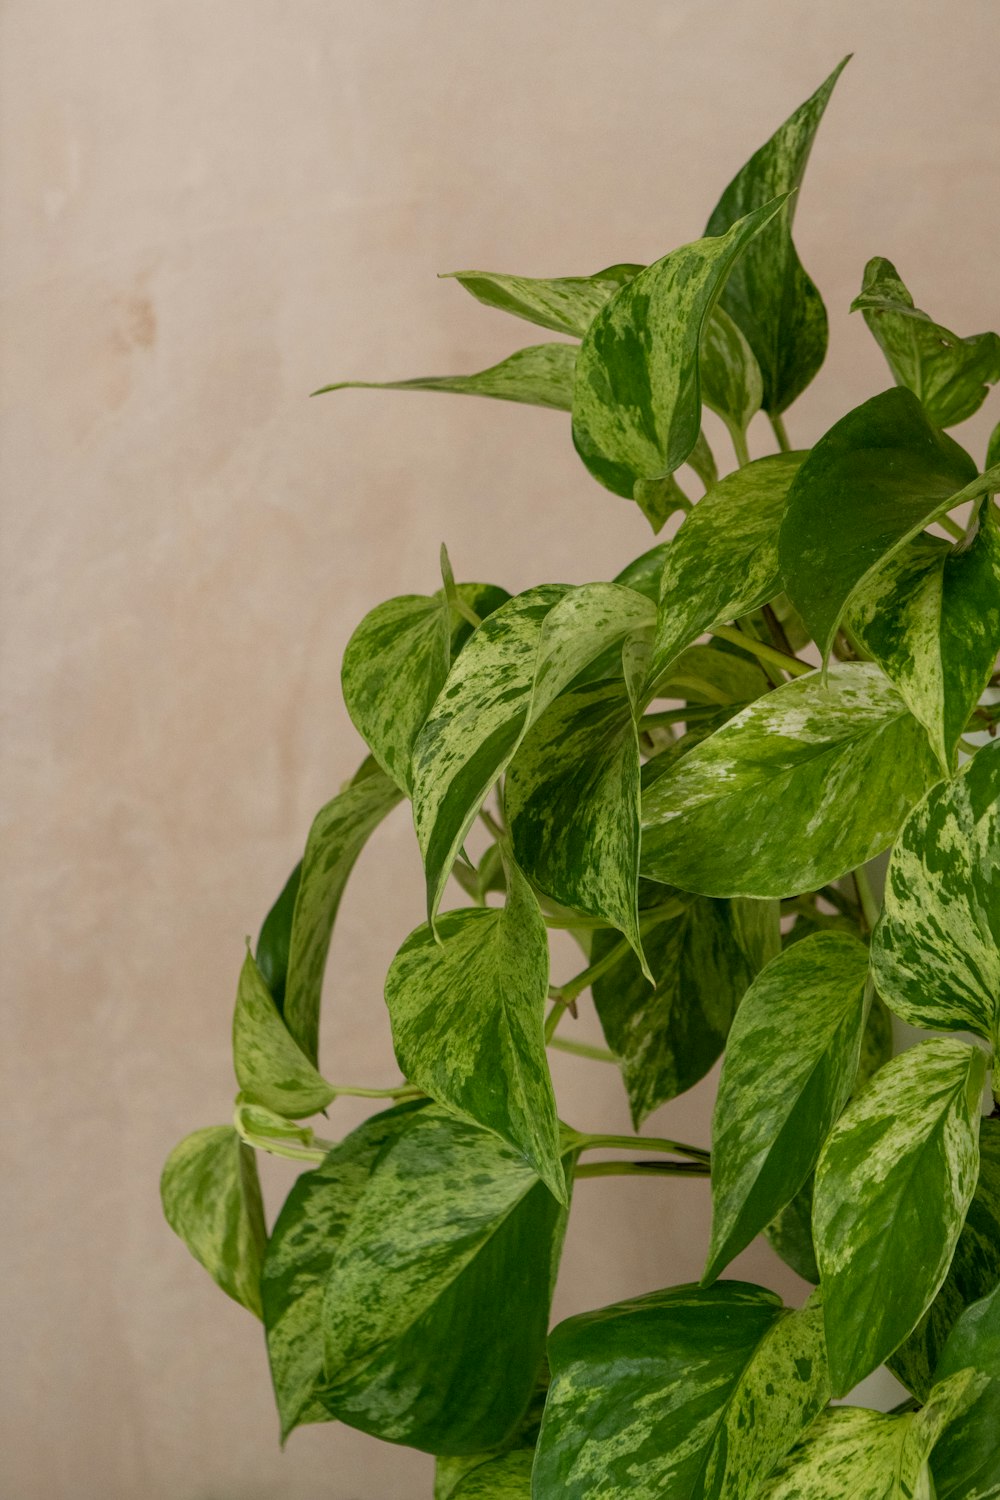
x,y
513,666
504,1478
723,561
769,296
730,375
687,1393
865,1455
395,664
870,485
667,1037
936,949
437,1301
339,832
271,1067
467,1012
931,619
948,375
807,1009
966,1462
801,786
541,375
637,392
893,1184
566,304
211,1199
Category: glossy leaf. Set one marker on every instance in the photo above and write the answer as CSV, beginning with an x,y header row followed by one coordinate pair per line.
x,y
541,375
211,1199
504,1478
566,304
467,1012
948,375
339,832
271,1067
893,1184
731,379
931,619
801,786
877,478
723,561
936,950
437,1300
515,664
966,1461
275,938
637,393
790,1234
686,1393
768,295
666,1037
450,1472
807,1008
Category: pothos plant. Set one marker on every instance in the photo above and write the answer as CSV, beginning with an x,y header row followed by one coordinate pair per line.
x,y
689,768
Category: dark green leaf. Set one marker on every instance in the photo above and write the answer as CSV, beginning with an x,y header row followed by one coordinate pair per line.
x,y
801,786
993,449
566,304
637,393
211,1198
450,1472
948,375
276,936
541,375
966,1461
271,1067
768,295
790,1234
893,1184
807,1008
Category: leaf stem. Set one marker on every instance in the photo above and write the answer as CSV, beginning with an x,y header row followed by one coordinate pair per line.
x,y
869,906
451,593
953,528
740,448
582,1049
642,1169
401,1091
778,428
790,664
640,1143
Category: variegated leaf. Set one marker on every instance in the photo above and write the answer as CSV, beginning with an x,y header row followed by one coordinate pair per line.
x,y
637,392
948,375
731,379
686,1393
801,786
275,938
566,304
966,1462
936,950
505,1478
667,1037
870,485
437,1300
865,1455
931,619
339,832
894,1181
768,295
723,561
807,1008
450,1472
395,664
271,1067
515,664
211,1199
467,1012
541,375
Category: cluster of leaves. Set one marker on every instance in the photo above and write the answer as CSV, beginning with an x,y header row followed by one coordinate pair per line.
x,y
696,801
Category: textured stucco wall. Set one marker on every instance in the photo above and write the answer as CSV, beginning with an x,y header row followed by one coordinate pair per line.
x,y
207,210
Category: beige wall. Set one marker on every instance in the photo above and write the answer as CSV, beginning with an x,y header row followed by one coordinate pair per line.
x,y
209,209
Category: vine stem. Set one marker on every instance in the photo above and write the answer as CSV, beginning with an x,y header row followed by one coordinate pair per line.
x,y
642,1169
582,1049
778,428
869,906
790,664
740,448
953,528
401,1091
639,1143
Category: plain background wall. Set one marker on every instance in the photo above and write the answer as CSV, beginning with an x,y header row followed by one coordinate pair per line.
x,y
207,211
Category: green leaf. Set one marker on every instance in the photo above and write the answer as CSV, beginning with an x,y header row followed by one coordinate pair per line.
x,y
271,1067
515,664
211,1199
667,1037
993,449
850,1451
572,801
437,1299
637,392
504,1478
966,1461
948,375
790,1234
872,484
893,1184
467,1012
723,561
449,1473
686,1393
339,832
768,295
566,304
807,1008
297,1263
801,786
936,949
276,936
396,663
541,375
931,619
731,379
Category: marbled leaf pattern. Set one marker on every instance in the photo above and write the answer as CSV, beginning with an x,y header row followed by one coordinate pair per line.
x,y
211,1199
731,379
271,1067
541,375
966,1462
566,304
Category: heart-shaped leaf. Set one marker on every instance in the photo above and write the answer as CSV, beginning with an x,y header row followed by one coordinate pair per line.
x,y
271,1067
966,1461
541,375
211,1199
